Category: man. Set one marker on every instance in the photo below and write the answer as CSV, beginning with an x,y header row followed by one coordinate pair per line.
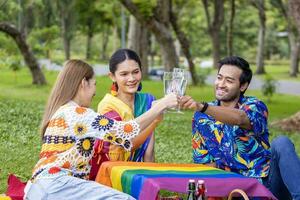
x,y
231,133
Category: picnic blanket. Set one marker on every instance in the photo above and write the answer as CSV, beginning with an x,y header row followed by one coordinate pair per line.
x,y
144,180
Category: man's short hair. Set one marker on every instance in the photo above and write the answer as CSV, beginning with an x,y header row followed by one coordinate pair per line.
x,y
241,63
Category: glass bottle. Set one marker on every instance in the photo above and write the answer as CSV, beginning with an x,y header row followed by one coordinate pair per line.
x,y
200,190
191,190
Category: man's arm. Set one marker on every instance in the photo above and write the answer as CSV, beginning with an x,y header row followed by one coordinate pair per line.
x,y
226,115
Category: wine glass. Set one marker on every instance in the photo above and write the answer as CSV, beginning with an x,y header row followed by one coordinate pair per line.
x,y
180,80
175,82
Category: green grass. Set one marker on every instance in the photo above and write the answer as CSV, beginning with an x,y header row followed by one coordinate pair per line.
x,y
22,105
279,72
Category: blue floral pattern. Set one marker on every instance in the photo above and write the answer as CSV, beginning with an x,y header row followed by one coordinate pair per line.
x,y
231,147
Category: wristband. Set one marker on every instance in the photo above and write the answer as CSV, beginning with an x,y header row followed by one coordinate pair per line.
x,y
205,106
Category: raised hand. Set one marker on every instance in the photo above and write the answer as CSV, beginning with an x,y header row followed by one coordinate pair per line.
x,y
186,102
170,100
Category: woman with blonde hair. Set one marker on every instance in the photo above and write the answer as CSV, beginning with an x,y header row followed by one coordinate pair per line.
x,y
69,129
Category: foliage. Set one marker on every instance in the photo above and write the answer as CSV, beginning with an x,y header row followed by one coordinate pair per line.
x,y
10,8
203,74
106,17
42,39
269,87
145,6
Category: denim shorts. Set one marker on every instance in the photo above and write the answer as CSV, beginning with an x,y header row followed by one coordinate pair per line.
x,y
70,188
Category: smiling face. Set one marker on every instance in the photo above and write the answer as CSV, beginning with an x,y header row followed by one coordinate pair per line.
x,y
128,76
227,84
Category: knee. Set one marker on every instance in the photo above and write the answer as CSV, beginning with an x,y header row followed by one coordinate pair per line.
x,y
282,144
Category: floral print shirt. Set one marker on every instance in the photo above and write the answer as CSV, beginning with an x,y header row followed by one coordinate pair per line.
x,y
231,147
68,141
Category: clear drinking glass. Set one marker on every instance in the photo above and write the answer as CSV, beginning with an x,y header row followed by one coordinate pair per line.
x,y
175,82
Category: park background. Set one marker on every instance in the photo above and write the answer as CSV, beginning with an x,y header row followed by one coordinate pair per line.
x,y
37,36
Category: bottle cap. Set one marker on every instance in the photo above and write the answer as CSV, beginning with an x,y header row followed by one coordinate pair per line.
x,y
200,181
191,181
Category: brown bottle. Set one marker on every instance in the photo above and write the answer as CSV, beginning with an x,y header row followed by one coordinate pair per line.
x,y
200,190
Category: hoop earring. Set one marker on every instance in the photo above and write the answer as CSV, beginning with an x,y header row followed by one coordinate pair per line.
x,y
140,87
114,89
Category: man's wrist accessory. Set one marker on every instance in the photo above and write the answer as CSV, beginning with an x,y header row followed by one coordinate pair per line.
x,y
205,106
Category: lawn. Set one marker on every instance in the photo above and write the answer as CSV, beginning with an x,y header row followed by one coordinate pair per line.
x,y
22,104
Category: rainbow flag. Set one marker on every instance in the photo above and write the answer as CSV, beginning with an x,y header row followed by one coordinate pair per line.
x,y
143,180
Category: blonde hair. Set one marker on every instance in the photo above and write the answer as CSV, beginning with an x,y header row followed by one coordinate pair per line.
x,y
66,87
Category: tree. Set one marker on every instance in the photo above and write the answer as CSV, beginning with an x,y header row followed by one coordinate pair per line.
x,y
37,75
214,27
260,6
292,123
138,40
90,19
67,20
294,38
158,23
294,7
184,43
230,29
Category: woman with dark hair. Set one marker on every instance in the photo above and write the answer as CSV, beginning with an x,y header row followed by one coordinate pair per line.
x,y
69,129
125,102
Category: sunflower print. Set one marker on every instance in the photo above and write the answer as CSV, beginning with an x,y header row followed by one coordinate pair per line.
x,y
85,146
110,137
102,123
80,129
128,130
68,144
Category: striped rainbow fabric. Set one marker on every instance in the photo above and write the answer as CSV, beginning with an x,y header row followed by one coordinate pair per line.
x,y
144,180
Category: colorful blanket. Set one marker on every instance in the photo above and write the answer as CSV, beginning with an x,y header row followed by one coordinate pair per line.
x,y
144,180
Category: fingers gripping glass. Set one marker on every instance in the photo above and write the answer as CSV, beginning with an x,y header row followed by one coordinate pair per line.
x,y
175,82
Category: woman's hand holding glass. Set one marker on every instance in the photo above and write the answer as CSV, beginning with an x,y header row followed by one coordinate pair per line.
x,y
175,82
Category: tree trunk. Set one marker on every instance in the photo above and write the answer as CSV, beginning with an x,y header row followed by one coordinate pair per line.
x,y
38,77
68,22
67,48
66,39
230,29
138,41
294,54
161,32
215,37
134,34
104,43
260,52
169,56
116,37
294,36
261,37
185,46
89,40
152,50
294,40
214,27
144,51
294,7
